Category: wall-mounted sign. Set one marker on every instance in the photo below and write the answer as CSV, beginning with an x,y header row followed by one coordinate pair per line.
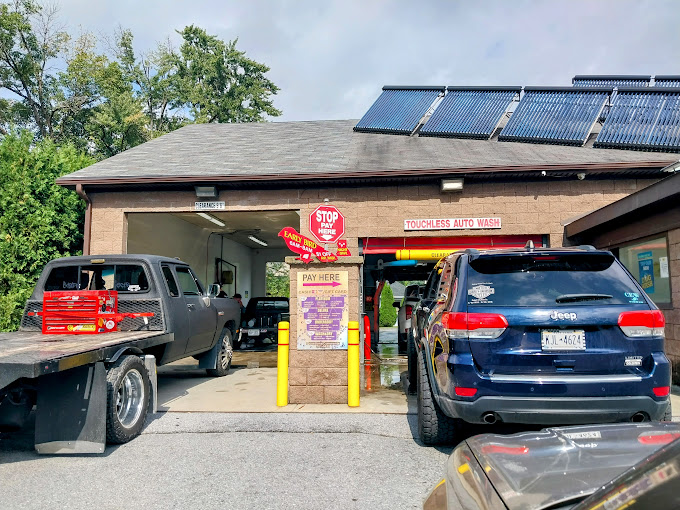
x,y
322,309
209,206
452,224
327,224
305,247
343,250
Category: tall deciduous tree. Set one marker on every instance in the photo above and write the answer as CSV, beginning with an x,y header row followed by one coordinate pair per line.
x,y
39,220
218,82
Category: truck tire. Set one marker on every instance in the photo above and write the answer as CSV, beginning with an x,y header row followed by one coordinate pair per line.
x,y
434,427
127,383
223,356
668,415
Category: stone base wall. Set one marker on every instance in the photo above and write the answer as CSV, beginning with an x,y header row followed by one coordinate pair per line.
x,y
319,376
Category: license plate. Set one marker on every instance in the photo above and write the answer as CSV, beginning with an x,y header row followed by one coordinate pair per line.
x,y
563,340
253,332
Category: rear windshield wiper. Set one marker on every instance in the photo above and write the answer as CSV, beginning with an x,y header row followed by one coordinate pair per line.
x,y
571,298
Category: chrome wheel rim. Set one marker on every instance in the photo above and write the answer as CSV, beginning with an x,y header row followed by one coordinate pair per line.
x,y
226,352
130,398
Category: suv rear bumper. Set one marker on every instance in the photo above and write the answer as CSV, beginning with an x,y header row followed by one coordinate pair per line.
x,y
554,411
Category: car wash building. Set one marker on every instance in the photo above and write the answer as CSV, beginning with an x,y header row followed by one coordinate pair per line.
x,y
426,171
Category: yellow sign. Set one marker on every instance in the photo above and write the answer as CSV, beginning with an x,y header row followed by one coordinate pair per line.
x,y
322,309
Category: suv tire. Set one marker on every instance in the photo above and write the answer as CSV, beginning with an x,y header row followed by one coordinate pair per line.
x,y
412,364
668,415
434,427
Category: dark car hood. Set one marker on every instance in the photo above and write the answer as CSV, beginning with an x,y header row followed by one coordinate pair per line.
x,y
534,470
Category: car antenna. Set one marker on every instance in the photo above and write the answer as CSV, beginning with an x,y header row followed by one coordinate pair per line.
x,y
530,245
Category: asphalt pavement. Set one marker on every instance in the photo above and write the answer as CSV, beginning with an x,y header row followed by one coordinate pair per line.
x,y
234,461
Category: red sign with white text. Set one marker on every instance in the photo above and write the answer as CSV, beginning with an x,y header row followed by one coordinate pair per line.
x,y
305,247
327,224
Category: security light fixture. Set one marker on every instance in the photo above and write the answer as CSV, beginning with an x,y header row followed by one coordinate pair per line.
x,y
452,185
212,218
206,191
581,176
257,240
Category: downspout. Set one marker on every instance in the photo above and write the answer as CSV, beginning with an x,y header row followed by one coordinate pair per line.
x,y
88,218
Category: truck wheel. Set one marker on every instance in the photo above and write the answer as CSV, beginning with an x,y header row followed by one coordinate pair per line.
x,y
223,357
668,415
127,384
434,427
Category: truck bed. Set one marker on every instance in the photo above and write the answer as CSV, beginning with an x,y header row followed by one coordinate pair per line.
x,y
31,354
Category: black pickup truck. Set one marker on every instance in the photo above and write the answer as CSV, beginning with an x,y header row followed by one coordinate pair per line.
x,y
90,389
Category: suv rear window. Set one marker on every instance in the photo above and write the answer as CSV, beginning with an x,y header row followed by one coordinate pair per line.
x,y
550,280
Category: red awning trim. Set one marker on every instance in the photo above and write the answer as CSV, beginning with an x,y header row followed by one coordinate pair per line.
x,y
379,245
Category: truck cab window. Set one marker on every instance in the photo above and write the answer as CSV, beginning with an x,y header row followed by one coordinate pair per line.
x,y
187,282
63,278
170,281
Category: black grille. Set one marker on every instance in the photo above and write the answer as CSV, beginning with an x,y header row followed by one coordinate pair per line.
x,y
156,323
34,322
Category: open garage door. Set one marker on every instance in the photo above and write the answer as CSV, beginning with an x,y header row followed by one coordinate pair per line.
x,y
409,260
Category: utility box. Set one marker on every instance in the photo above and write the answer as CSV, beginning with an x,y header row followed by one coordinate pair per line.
x,y
86,312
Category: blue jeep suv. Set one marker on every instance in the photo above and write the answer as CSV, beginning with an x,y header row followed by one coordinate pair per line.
x,y
541,336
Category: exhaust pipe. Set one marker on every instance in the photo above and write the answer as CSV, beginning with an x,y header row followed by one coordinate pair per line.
x,y
489,418
639,417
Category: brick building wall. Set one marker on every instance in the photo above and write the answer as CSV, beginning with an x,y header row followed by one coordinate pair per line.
x,y
673,315
525,208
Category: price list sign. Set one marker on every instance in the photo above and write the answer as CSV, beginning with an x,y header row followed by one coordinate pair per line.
x,y
323,309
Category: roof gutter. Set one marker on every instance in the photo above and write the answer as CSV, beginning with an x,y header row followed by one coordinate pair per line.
x,y
353,174
88,218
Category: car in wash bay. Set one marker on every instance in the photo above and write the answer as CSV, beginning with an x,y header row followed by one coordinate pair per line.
x,y
623,465
405,310
261,319
557,336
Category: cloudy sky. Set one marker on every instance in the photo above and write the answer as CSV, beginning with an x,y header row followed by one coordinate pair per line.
x,y
331,58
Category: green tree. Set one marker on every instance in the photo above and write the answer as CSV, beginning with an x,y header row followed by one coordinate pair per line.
x,y
39,220
277,279
388,314
218,83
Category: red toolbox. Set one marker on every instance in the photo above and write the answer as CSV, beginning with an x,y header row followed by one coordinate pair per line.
x,y
86,312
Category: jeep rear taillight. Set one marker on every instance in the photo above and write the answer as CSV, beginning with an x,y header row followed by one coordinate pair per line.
x,y
474,325
641,324
409,311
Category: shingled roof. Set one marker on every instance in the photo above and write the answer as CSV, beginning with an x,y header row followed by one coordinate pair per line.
x,y
332,150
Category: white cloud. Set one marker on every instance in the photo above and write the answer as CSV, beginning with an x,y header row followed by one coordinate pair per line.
x,y
331,58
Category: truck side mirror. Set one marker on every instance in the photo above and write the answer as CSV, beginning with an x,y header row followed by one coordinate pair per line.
x,y
213,290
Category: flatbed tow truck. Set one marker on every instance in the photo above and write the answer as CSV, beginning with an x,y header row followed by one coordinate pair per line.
x,y
95,383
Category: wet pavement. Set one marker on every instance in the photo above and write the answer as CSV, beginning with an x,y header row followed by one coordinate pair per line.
x,y
250,386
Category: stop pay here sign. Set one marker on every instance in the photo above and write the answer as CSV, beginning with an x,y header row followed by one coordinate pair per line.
x,y
327,224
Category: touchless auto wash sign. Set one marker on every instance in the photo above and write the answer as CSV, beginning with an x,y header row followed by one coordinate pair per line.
x,y
323,309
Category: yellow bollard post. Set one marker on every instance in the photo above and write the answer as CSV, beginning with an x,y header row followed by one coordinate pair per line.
x,y
282,365
353,362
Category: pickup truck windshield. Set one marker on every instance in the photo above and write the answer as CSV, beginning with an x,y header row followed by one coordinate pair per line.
x,y
550,280
118,277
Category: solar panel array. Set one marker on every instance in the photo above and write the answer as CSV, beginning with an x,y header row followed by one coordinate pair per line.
x,y
470,112
616,80
643,116
643,119
560,115
398,110
667,81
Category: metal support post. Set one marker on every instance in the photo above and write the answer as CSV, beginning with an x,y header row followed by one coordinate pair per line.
x,y
353,363
282,365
